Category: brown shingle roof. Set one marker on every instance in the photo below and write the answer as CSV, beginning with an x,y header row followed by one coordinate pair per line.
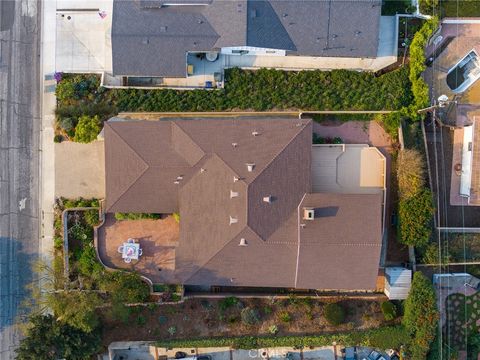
x,y
221,202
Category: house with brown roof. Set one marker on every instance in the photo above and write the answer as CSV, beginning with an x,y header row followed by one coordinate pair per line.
x,y
249,217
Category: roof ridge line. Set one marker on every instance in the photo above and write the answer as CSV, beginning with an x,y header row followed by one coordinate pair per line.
x,y
174,122
246,227
126,143
280,152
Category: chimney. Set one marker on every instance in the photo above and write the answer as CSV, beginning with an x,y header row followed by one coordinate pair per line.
x,y
308,213
233,194
243,242
233,220
267,199
250,167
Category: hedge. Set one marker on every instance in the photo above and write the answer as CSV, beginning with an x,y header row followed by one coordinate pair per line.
x,y
269,89
381,338
136,216
420,89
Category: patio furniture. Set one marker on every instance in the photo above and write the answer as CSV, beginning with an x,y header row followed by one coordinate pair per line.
x,y
131,241
140,252
190,69
120,249
128,260
131,250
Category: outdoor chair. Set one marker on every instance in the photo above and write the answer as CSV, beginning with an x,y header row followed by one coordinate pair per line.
x,y
140,252
120,249
130,241
128,260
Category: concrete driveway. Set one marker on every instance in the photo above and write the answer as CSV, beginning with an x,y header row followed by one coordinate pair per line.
x,y
83,36
80,170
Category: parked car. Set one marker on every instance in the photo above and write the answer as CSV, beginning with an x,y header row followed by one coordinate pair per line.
x,y
203,357
374,355
350,353
180,355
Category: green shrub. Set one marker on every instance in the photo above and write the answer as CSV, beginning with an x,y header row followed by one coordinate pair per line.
x,y
125,287
420,316
250,316
415,216
285,316
137,216
227,302
91,217
58,138
176,216
87,129
141,320
334,313
88,263
427,6
273,329
389,310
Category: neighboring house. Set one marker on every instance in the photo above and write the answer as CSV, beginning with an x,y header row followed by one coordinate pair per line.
x,y
189,43
248,214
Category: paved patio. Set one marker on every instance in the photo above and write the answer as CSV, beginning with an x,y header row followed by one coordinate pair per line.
x,y
157,238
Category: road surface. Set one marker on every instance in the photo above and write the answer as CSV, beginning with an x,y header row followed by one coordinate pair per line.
x,y
19,160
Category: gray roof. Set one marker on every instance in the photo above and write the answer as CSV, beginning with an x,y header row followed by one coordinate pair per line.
x,y
210,156
150,39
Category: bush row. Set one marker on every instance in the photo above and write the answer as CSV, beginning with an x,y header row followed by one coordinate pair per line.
x,y
381,338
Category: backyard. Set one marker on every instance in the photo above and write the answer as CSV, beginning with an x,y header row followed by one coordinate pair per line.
x,y
230,317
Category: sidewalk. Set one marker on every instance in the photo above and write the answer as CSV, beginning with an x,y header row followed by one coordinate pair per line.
x,y
47,160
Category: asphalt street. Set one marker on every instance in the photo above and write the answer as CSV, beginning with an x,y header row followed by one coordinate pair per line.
x,y
19,160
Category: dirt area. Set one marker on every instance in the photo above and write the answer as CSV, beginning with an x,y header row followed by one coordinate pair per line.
x,y
197,318
80,170
158,240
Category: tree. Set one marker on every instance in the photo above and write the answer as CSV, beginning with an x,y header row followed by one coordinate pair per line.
x,y
334,313
47,339
125,287
87,129
75,308
410,173
415,214
420,316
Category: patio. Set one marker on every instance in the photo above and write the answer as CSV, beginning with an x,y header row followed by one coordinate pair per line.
x,y
158,240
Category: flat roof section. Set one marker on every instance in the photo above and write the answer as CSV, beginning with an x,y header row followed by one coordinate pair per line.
x,y
348,169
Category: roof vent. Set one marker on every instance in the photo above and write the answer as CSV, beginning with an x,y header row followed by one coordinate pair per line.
x,y
255,133
250,167
176,182
302,225
163,29
233,220
243,242
145,41
235,179
180,177
233,194
234,145
358,32
334,36
308,213
284,15
267,199
202,170
200,21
